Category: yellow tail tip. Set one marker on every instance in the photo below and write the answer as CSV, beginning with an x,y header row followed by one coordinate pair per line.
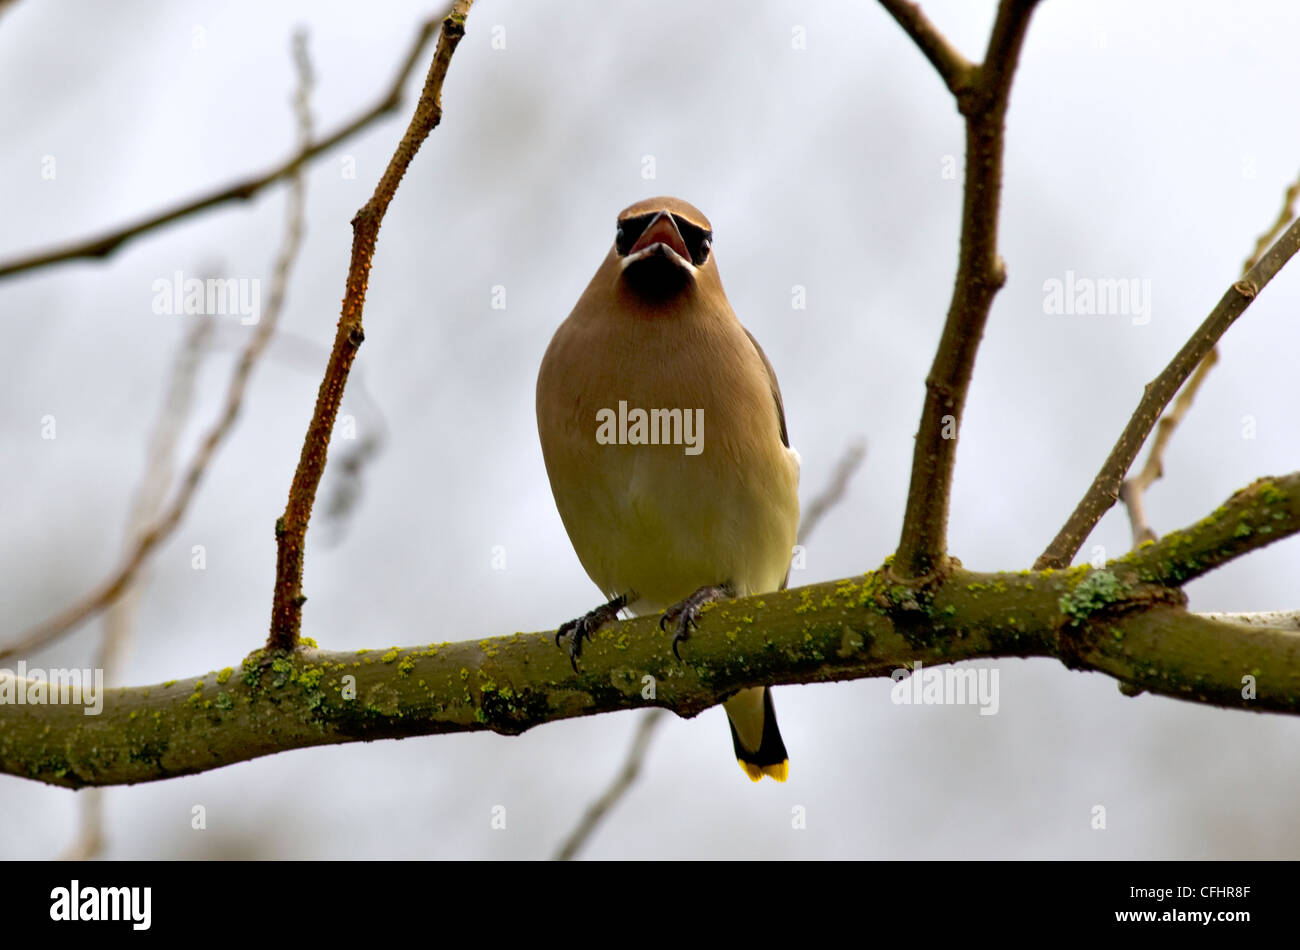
x,y
780,772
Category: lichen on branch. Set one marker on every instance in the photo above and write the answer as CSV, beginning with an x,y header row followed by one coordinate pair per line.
x,y
1127,619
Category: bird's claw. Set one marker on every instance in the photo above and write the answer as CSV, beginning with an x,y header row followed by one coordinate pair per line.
x,y
684,616
579,629
585,627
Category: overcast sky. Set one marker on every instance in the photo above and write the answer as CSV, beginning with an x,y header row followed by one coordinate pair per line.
x,y
1148,142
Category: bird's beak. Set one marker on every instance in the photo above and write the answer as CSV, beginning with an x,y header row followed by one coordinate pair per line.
x,y
661,237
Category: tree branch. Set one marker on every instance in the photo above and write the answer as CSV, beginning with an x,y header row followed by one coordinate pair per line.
x,y
955,70
343,482
119,618
163,524
1104,490
834,490
980,274
105,244
1278,619
1254,516
1284,218
1112,620
291,527
1131,490
627,775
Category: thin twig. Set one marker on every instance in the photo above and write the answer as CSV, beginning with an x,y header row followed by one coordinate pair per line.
x,y
1132,498
1254,517
830,496
145,542
119,618
343,480
1104,490
105,244
1131,491
834,491
980,274
291,527
627,775
1284,218
954,68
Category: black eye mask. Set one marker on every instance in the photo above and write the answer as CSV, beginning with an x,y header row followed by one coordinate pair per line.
x,y
698,240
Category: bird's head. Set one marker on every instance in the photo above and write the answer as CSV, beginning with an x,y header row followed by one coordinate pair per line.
x,y
664,245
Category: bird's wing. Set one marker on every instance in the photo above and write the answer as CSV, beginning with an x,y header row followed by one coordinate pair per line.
x,y
776,389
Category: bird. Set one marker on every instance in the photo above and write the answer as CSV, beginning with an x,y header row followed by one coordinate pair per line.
x,y
664,438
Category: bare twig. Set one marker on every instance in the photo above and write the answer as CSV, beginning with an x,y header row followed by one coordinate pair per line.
x,y
1132,489
177,403
1132,498
145,542
90,840
1104,490
119,618
1255,516
955,69
343,481
105,244
980,274
291,527
833,493
1284,218
627,775
830,496
150,495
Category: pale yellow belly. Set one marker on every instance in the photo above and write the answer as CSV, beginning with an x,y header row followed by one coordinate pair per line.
x,y
663,523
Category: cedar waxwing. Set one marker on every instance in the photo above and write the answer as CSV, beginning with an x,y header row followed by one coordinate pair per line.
x,y
664,438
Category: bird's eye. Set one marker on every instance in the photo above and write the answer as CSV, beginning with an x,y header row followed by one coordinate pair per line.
x,y
628,231
703,254
698,241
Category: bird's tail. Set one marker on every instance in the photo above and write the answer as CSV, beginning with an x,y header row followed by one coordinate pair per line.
x,y
755,735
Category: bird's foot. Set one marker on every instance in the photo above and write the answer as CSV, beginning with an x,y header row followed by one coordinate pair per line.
x,y
585,627
683,615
